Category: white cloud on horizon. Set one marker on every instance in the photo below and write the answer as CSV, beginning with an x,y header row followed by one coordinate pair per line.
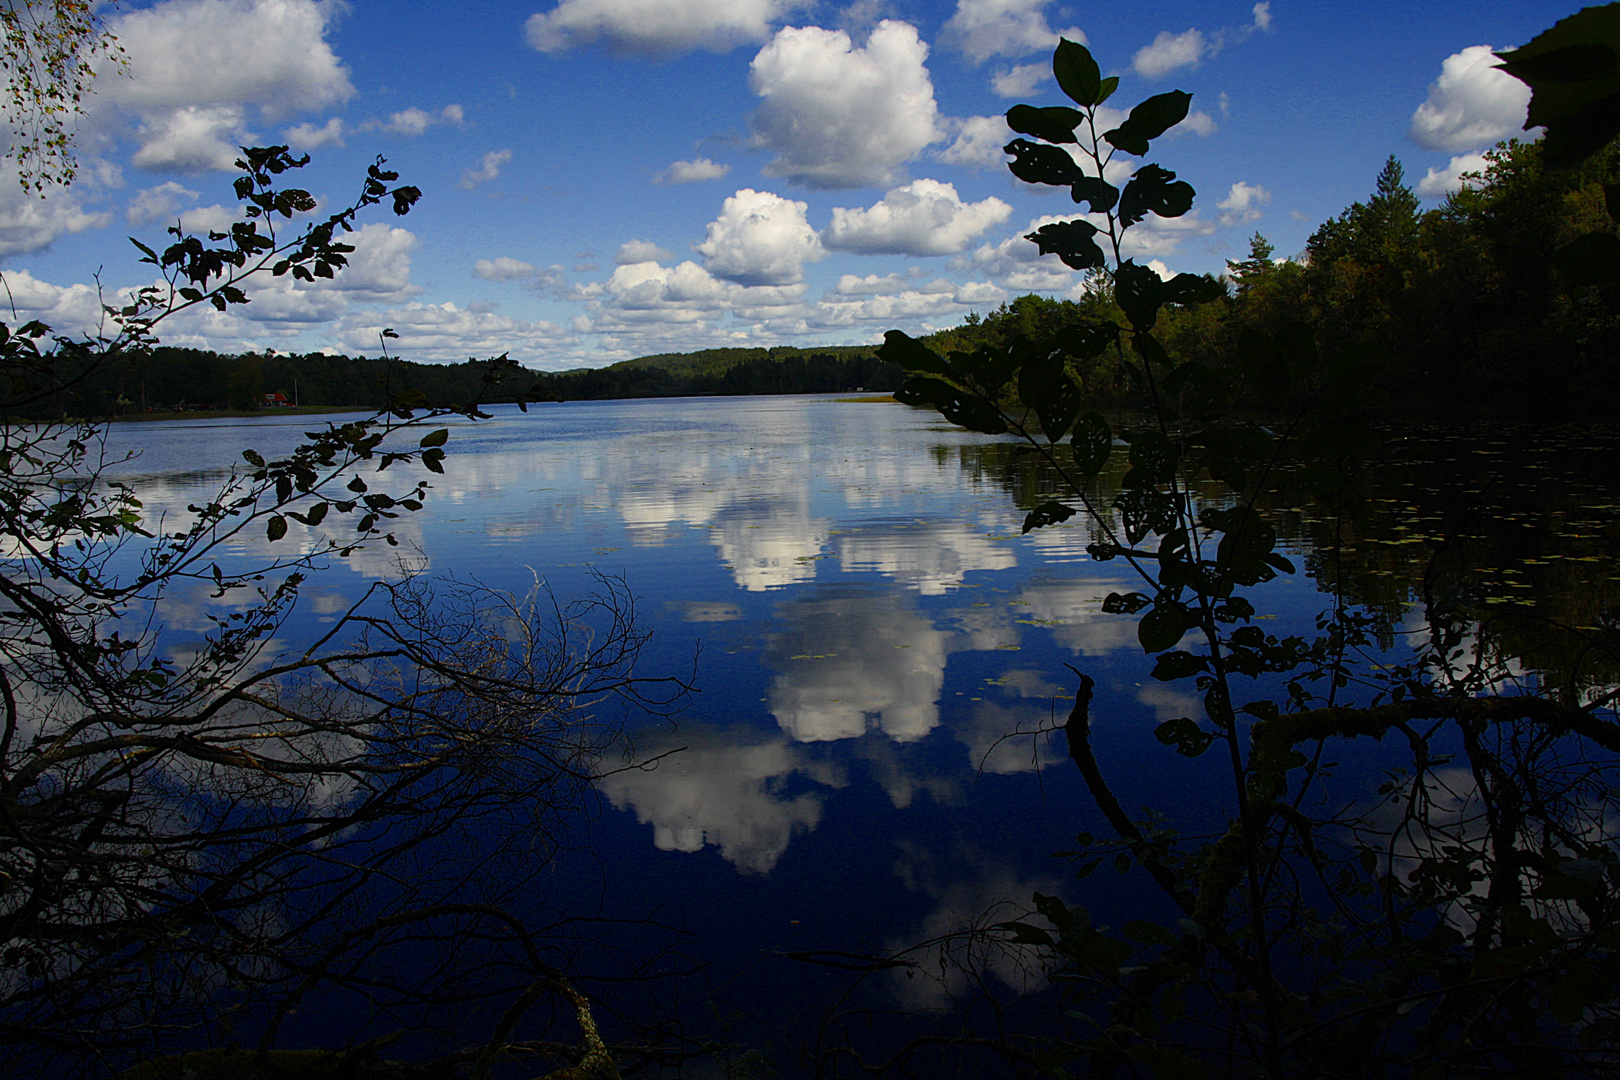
x,y
29,223
448,333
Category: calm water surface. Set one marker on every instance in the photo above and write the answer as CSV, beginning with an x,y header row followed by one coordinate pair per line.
x,y
870,628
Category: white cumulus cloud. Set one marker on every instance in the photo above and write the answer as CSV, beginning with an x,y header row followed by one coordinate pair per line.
x,y
760,239
1170,52
978,143
504,268
446,332
1473,103
660,28
1017,265
68,310
380,265
641,251
925,217
1242,204
981,29
841,116
1438,183
1199,123
1262,16
195,138
1019,81
692,172
310,137
161,203
488,170
29,223
412,122
196,68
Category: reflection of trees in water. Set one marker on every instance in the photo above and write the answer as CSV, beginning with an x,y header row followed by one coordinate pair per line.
x,y
1513,523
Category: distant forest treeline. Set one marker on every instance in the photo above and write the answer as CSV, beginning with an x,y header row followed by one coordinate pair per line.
x,y
1464,300
175,379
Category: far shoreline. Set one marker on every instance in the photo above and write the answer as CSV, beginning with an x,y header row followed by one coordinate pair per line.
x,y
325,410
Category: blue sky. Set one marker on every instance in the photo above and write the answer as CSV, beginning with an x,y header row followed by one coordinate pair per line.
x,y
605,179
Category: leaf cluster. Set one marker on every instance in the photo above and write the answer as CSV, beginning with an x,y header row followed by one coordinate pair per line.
x,y
1295,955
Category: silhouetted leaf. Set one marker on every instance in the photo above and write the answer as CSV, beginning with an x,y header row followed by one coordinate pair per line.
x,y
1139,291
1070,241
1077,73
957,406
1178,665
1054,911
1086,341
1025,934
1148,933
1149,120
1157,190
1573,71
1188,738
1037,163
1125,603
1055,124
1164,625
1144,510
276,528
1044,384
1092,442
1048,513
1153,460
909,354
1098,192
1230,450
989,369
1192,373
1193,289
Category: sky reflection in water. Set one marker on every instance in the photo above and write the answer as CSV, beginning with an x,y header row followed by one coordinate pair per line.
x,y
874,634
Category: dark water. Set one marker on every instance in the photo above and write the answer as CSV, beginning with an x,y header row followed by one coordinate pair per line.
x,y
872,635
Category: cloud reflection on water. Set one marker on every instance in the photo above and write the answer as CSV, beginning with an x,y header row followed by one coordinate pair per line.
x,y
723,789
849,661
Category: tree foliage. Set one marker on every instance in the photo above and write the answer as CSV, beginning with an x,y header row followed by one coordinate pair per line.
x,y
1460,921
206,831
51,55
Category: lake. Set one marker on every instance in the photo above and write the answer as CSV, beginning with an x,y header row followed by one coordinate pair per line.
x,y
879,656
